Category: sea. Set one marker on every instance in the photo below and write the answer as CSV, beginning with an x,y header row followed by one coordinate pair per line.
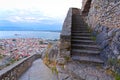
x,y
52,35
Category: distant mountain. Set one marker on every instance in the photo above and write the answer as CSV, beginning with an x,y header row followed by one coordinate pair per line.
x,y
15,26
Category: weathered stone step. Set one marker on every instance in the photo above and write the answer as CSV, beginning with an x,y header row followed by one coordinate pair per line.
x,y
83,54
76,23
80,28
85,31
88,47
83,47
87,41
90,42
81,38
92,46
88,59
80,25
81,34
85,51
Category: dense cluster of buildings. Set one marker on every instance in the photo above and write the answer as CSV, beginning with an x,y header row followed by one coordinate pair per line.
x,y
21,47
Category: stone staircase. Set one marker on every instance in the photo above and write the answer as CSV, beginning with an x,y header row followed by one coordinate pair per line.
x,y
83,47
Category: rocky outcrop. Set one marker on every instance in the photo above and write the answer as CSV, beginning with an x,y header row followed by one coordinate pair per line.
x,y
104,20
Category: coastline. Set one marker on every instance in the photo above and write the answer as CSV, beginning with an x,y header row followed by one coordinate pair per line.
x,y
29,34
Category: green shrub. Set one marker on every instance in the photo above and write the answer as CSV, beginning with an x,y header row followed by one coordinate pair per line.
x,y
54,70
12,61
112,61
1,56
67,58
94,38
117,76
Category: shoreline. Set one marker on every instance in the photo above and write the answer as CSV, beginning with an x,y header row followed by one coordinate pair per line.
x,y
29,34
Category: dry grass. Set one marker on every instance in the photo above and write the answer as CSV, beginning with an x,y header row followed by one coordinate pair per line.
x,y
113,73
48,62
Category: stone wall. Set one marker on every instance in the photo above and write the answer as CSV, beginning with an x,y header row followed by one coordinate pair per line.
x,y
104,12
85,6
13,72
65,37
104,20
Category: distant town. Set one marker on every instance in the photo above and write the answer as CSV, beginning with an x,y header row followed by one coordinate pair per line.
x,y
12,50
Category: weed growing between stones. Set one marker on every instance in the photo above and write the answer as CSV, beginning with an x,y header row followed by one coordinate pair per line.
x,y
51,65
90,30
67,58
93,38
117,76
112,62
111,70
54,69
68,49
113,73
1,56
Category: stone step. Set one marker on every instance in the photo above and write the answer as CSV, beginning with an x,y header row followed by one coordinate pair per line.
x,y
75,22
81,34
83,47
81,38
88,59
81,24
85,51
78,26
92,46
87,41
83,54
80,31
73,25
88,47
90,42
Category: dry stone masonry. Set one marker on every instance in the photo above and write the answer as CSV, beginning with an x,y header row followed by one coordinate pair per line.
x,y
103,17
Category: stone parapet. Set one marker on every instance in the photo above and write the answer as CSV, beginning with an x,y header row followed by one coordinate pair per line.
x,y
65,37
14,71
66,29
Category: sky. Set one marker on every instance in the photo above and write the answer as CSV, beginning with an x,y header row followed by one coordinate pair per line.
x,y
34,14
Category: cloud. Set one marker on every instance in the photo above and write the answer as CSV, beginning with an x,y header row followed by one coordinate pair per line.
x,y
40,11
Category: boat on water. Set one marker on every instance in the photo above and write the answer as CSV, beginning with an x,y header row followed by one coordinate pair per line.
x,y
16,34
